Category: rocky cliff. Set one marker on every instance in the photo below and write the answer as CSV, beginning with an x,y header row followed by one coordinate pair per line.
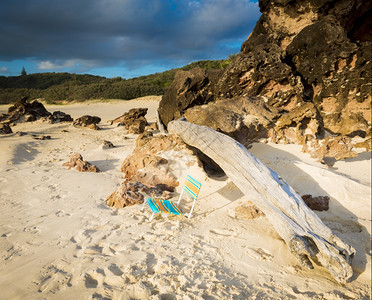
x,y
302,76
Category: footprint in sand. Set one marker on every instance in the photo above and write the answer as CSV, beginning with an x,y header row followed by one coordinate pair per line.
x,y
62,213
114,277
151,262
224,232
32,229
11,249
53,279
114,269
90,281
94,278
259,253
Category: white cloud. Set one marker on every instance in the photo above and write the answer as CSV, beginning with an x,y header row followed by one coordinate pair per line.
x,y
4,70
49,65
80,65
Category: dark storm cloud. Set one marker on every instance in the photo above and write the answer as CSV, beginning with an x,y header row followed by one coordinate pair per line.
x,y
105,32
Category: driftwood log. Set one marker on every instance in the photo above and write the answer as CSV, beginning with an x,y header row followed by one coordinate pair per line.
x,y
160,123
301,229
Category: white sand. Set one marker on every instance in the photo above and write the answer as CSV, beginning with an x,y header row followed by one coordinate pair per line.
x,y
58,239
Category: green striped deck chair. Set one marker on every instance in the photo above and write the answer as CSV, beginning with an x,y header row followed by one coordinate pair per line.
x,y
158,205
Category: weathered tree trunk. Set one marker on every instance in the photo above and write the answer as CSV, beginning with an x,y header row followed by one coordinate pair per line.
x,y
301,229
160,123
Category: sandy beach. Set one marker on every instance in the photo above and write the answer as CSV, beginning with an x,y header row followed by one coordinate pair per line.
x,y
59,239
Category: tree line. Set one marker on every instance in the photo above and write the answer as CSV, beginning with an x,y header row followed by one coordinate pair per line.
x,y
55,87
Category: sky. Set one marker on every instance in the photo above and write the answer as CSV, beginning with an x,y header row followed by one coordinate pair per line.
x,y
119,38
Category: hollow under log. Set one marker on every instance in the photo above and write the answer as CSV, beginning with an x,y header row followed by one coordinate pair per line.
x,y
302,230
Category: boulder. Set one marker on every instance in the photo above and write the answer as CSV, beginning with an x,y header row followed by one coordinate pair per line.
x,y
341,79
137,126
247,211
189,88
59,116
308,60
262,72
88,121
327,45
107,145
153,144
127,194
132,192
77,162
145,164
132,114
298,126
338,147
134,120
146,172
24,111
5,128
3,117
152,127
319,203
243,118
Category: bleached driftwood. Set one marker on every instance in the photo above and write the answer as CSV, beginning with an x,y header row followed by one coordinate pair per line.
x,y
301,229
160,123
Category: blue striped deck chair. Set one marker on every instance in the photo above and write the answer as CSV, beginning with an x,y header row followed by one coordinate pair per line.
x,y
158,205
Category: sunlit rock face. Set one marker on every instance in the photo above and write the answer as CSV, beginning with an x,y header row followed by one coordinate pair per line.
x,y
308,61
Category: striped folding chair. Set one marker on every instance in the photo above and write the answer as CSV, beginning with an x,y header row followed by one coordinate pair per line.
x,y
157,205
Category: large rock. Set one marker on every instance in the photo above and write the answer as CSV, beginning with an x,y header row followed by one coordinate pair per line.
x,y
246,211
319,203
133,192
77,162
263,72
5,128
341,80
132,114
339,147
188,89
134,120
146,172
24,111
60,116
88,121
245,119
127,194
327,44
299,126
309,60
145,164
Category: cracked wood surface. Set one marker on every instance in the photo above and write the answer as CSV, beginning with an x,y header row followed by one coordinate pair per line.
x,y
301,229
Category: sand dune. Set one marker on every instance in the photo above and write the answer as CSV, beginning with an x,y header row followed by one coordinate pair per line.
x,y
59,240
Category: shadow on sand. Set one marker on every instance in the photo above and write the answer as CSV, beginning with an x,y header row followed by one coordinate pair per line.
x,y
347,227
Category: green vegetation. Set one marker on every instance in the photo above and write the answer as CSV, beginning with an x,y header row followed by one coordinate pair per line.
x,y
54,87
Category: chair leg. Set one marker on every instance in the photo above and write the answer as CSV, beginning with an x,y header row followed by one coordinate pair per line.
x,y
192,208
152,216
143,206
179,199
